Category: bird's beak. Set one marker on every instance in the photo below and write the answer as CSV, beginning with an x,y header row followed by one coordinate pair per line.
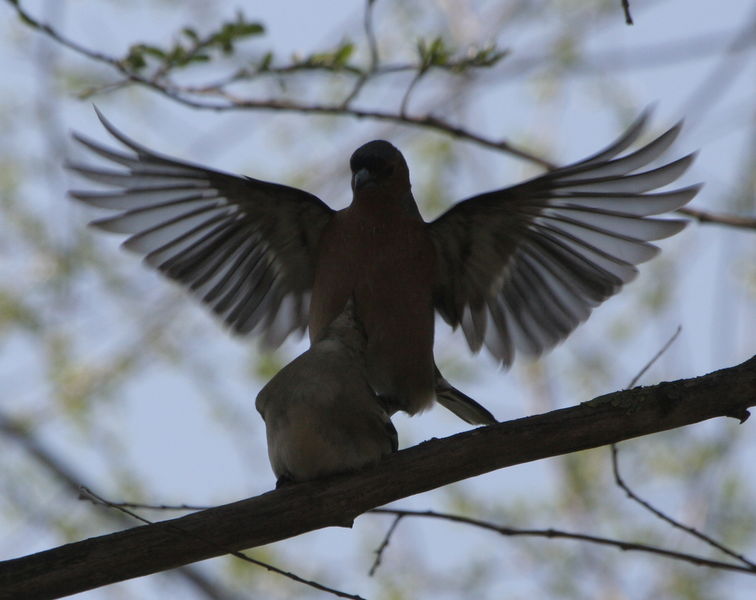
x,y
362,178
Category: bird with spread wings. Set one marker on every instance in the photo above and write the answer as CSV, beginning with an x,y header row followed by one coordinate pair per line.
x,y
518,269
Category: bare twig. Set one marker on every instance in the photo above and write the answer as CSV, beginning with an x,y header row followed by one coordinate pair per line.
x,y
425,121
556,533
626,10
655,357
370,35
408,92
647,505
374,56
384,545
88,494
703,216
63,473
675,523
143,506
64,41
291,511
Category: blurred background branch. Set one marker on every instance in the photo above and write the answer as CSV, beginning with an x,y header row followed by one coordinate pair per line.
x,y
126,382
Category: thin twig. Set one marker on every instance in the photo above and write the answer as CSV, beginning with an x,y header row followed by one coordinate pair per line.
x,y
86,493
626,10
374,56
64,41
408,92
384,545
703,216
372,40
686,528
142,506
229,102
655,357
647,505
426,121
556,533
71,480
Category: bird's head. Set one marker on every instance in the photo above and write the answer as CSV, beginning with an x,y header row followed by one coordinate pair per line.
x,y
378,164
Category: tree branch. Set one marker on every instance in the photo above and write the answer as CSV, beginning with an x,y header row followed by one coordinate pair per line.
x,y
703,216
619,480
559,534
297,509
626,10
87,494
222,100
73,480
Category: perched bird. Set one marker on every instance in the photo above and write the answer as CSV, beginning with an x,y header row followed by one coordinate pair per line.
x,y
517,268
321,414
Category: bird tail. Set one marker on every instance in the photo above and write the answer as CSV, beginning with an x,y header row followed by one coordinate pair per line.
x,y
460,403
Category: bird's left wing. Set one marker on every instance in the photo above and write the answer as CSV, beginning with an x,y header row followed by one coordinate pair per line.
x,y
520,268
246,248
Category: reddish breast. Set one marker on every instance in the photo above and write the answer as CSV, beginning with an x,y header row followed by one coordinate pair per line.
x,y
381,253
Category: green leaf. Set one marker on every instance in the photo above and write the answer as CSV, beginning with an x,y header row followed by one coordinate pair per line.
x,y
191,34
343,54
266,61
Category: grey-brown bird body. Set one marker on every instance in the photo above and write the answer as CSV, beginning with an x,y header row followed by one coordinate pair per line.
x,y
321,414
518,269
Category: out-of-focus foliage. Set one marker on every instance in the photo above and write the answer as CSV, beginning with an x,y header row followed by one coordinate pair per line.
x,y
114,379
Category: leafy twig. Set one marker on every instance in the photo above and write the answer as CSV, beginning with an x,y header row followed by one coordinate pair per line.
x,y
185,95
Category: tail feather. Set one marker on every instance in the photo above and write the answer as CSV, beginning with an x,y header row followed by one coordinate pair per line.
x,y
460,403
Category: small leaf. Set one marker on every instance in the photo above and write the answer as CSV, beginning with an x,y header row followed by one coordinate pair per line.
x,y
190,33
343,54
266,61
152,51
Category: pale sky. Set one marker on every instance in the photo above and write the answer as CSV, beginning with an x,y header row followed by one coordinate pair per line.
x,y
186,450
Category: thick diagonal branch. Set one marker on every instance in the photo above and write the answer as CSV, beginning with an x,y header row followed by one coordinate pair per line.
x,y
305,507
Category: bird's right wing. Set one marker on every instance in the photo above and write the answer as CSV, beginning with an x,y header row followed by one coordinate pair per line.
x,y
244,247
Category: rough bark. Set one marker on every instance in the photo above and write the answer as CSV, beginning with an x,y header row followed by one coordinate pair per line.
x,y
305,507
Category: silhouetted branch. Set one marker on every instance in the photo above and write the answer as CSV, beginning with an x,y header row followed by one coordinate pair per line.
x,y
88,494
220,99
296,509
217,97
384,544
647,505
655,357
73,481
703,216
626,10
749,565
559,534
